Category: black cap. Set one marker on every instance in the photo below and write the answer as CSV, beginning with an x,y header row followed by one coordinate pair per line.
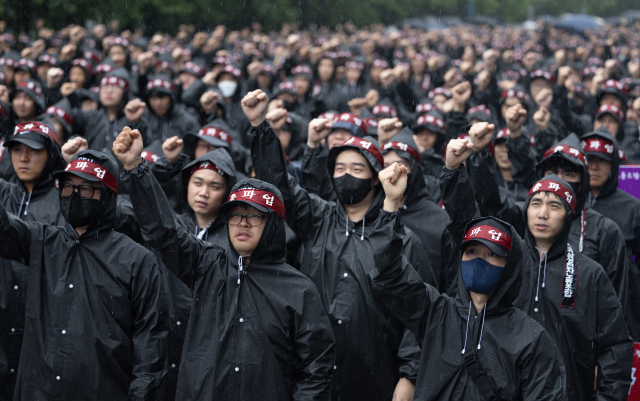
x,y
491,232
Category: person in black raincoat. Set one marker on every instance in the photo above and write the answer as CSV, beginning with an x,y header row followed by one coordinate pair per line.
x,y
420,214
517,357
95,321
566,292
592,234
203,194
35,155
606,198
165,117
375,355
257,327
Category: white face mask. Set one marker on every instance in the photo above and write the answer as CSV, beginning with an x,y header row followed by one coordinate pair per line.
x,y
228,88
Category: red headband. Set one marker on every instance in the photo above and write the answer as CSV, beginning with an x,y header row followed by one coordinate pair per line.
x,y
216,133
207,166
149,156
113,80
566,150
366,145
488,233
440,91
199,70
82,63
60,113
87,166
514,93
611,109
425,108
556,188
598,146
31,86
384,109
260,197
160,83
481,108
404,147
430,119
36,127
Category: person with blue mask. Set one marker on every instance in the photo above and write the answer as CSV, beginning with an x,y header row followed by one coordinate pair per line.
x,y
476,345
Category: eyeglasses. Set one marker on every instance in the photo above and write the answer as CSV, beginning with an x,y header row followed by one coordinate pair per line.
x,y
85,191
253,219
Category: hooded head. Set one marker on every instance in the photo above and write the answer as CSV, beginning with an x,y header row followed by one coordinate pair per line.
x,y
430,131
406,153
33,89
217,160
161,94
344,126
39,135
353,180
502,283
567,160
61,119
99,170
118,78
601,149
270,248
216,134
543,214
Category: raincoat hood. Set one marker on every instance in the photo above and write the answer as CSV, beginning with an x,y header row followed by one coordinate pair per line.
x,y
508,286
271,247
570,150
560,243
105,217
612,182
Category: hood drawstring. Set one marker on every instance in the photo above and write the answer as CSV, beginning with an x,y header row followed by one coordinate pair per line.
x,y
240,267
544,279
362,236
583,227
346,232
466,332
484,313
592,200
204,233
26,205
21,202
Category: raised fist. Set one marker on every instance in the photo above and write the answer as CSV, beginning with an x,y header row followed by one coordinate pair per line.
x,y
254,105
319,129
388,128
134,110
128,148
72,147
172,148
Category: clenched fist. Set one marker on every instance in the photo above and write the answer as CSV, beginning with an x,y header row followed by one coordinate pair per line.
x,y
254,105
394,183
72,147
319,129
128,148
134,110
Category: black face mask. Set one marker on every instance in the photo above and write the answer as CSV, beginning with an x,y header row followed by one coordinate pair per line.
x,y
77,211
290,106
351,190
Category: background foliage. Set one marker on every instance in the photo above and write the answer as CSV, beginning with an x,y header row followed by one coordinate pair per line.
x,y
165,15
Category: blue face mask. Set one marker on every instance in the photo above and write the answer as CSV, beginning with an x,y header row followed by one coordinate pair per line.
x,y
480,276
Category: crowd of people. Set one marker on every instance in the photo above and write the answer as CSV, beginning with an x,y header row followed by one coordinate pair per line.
x,y
345,214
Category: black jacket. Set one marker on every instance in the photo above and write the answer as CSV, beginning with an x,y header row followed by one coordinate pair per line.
x,y
95,321
369,357
601,239
178,121
624,210
517,355
268,335
41,205
589,330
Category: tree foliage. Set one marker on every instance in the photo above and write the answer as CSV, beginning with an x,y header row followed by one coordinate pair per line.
x,y
162,15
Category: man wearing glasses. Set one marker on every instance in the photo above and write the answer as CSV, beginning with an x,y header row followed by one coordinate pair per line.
x,y
257,328
95,309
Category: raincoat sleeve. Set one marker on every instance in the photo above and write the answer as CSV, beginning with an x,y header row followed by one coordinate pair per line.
x,y
394,280
482,170
304,211
614,347
614,259
314,173
15,237
458,200
543,373
523,159
181,253
150,330
315,349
